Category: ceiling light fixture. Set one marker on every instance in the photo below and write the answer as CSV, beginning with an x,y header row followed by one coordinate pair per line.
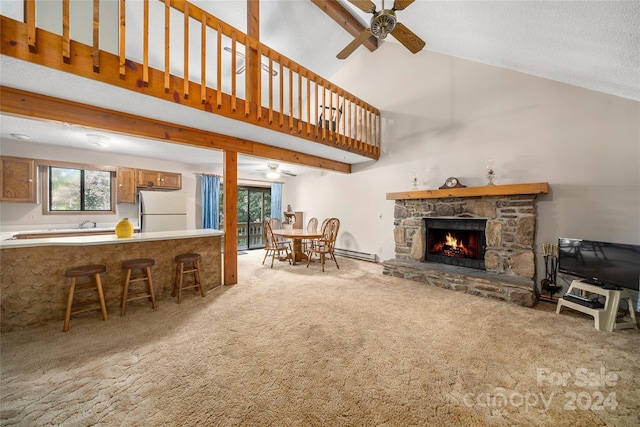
x,y
273,175
240,70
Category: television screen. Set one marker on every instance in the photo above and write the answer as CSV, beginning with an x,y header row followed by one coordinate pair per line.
x,y
601,263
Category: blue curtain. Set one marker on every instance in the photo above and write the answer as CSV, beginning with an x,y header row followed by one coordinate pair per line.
x,y
210,186
276,201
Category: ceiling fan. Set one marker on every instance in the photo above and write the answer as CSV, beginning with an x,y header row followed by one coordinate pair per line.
x,y
274,171
383,23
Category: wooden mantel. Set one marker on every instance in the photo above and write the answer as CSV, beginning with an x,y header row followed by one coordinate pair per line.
x,y
488,190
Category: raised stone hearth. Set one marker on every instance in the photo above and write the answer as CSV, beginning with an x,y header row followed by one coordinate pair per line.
x,y
510,212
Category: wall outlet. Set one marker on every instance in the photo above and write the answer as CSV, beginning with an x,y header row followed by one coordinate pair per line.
x,y
32,217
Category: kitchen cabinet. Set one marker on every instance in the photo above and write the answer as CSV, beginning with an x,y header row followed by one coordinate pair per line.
x,y
126,185
158,179
17,179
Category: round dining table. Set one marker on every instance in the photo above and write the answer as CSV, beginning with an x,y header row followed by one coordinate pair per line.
x,y
297,235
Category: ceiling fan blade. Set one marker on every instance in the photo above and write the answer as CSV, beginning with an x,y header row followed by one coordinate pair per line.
x,y
287,173
360,38
408,38
364,5
401,4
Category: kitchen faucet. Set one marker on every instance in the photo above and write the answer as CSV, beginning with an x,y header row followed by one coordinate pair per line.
x,y
86,221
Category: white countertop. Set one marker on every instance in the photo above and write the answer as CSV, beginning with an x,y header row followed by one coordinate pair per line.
x,y
108,239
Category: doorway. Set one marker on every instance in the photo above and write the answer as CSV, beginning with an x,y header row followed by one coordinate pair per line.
x,y
254,205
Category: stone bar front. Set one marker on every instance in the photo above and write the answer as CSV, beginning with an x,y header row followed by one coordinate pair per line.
x,y
510,211
34,288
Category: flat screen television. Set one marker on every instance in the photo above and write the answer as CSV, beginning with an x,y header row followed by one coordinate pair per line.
x,y
600,263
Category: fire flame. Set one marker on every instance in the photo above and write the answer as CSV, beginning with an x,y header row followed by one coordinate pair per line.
x,y
451,247
451,241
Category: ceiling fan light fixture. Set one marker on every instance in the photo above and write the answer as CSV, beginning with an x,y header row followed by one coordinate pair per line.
x,y
383,24
273,175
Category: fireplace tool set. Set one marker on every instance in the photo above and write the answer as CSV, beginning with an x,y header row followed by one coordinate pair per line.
x,y
550,254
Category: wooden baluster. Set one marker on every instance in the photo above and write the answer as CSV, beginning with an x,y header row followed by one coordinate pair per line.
x,y
145,45
247,81
369,129
167,20
351,125
234,76
270,87
258,81
356,144
362,127
308,105
341,118
375,132
96,36
365,128
345,110
299,101
122,39
379,134
290,97
359,126
324,113
281,121
315,81
66,42
219,91
186,52
330,113
340,126
203,58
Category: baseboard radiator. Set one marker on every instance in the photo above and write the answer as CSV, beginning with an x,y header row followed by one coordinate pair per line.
x,y
356,255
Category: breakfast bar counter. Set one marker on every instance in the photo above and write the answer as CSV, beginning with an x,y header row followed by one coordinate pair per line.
x,y
33,289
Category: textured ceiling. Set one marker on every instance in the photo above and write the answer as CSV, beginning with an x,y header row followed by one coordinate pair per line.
x,y
591,44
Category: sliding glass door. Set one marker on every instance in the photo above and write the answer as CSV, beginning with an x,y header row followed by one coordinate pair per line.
x,y
254,205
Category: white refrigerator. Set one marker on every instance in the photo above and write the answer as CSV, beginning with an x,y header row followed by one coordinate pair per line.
x,y
163,211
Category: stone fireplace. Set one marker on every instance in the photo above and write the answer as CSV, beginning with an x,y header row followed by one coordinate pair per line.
x,y
490,247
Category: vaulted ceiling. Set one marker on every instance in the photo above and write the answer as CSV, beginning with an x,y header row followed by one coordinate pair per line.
x,y
591,44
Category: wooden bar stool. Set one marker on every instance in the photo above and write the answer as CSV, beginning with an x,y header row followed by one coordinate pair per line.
x,y
91,271
187,263
145,265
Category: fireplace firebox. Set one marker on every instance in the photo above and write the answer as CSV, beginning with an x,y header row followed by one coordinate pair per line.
x,y
459,242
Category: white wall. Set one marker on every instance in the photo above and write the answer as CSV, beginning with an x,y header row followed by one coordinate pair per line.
x,y
447,117
17,216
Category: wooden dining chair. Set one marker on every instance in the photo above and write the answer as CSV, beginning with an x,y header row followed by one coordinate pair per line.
x,y
312,227
273,246
276,224
326,244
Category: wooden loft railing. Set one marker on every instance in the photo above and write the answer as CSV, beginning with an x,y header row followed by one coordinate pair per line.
x,y
207,75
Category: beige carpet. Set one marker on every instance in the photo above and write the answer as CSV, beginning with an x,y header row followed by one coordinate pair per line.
x,y
291,346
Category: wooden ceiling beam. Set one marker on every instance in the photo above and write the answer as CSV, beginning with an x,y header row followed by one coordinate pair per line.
x,y
346,20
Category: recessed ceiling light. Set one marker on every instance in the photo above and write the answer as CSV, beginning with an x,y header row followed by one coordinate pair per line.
x,y
19,136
